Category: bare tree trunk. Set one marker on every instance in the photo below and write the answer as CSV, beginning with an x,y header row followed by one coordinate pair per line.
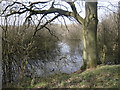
x,y
90,54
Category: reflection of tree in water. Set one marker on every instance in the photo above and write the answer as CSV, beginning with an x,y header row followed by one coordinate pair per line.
x,y
75,46
69,60
64,47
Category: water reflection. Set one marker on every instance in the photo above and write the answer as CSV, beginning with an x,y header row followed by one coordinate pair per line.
x,y
64,47
66,62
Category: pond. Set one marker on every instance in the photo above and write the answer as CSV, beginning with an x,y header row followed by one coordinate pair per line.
x,y
68,61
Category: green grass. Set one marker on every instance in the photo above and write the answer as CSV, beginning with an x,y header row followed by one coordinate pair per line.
x,y
101,77
107,76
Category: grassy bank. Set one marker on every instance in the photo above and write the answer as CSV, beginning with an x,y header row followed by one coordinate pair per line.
x,y
102,77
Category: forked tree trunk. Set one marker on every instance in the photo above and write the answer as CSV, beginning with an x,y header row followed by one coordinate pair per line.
x,y
90,54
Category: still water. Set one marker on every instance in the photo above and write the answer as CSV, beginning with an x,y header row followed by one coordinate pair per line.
x,y
68,62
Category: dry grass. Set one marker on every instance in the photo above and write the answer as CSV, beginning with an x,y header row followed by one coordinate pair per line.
x,y
102,77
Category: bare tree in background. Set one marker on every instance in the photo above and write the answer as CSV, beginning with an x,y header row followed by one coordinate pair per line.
x,y
89,23
108,35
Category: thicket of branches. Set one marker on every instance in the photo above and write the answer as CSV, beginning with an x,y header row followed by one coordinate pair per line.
x,y
20,46
108,39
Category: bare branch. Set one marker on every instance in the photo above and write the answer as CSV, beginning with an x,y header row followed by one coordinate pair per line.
x,y
39,2
51,33
42,26
72,6
45,12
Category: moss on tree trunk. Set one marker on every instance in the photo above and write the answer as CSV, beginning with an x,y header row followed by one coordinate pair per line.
x,y
90,54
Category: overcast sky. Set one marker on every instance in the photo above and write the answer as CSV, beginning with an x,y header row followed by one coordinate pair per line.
x,y
101,12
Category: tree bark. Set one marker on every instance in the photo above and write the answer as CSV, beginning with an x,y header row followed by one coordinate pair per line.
x,y
90,54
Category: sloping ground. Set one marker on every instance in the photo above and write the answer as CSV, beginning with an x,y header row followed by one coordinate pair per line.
x,y
102,77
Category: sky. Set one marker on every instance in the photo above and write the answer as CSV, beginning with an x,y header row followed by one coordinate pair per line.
x,y
63,0
101,12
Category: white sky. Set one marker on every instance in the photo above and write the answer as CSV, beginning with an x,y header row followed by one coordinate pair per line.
x,y
65,0
101,12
